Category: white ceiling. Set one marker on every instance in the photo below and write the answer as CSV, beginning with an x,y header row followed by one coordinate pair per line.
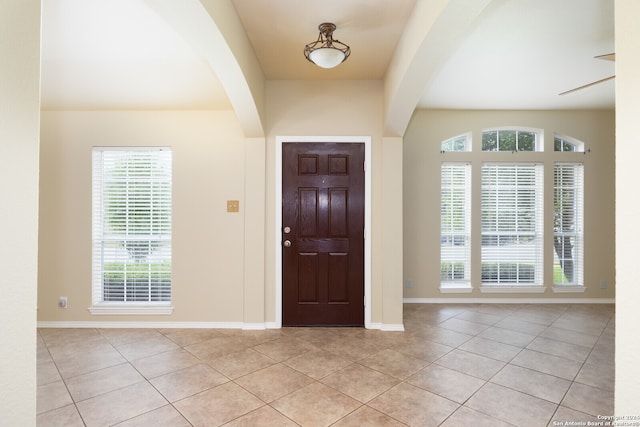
x,y
112,54
118,54
523,53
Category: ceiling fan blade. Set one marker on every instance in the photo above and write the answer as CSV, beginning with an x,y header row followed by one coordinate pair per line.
x,y
608,57
587,85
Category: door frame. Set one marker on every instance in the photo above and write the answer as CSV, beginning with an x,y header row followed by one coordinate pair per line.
x,y
367,216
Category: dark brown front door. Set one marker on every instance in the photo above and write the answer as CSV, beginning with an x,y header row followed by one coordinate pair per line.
x,y
323,234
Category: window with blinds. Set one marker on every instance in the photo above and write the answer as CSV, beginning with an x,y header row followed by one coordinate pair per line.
x,y
131,226
512,224
568,210
455,224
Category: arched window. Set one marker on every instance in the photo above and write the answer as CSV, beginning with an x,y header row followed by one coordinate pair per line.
x,y
509,139
511,213
457,143
566,143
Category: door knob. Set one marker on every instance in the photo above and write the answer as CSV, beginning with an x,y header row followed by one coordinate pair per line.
x,y
287,243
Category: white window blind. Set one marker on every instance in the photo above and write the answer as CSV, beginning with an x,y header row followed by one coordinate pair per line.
x,y
568,207
512,224
455,224
131,225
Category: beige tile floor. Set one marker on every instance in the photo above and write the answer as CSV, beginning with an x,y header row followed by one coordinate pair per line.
x,y
455,365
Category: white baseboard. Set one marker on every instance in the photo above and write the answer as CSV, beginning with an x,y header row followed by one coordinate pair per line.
x,y
154,325
509,300
385,326
254,326
392,327
187,325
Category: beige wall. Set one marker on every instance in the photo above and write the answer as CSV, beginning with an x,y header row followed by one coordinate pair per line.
x,y
19,122
627,208
208,243
339,108
210,154
213,163
217,268
422,159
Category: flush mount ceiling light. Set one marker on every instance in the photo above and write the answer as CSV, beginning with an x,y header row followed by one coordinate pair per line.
x,y
327,52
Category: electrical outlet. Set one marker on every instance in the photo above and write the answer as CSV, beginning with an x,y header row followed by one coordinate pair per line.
x,y
409,283
62,302
603,284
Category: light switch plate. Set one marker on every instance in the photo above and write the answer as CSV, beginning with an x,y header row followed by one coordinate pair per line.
x,y
233,206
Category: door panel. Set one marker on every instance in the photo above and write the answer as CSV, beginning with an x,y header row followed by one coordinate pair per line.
x,y
323,205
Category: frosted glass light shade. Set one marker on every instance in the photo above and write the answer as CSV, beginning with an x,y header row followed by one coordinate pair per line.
x,y
327,57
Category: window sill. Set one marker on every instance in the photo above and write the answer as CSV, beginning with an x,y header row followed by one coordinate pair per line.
x,y
498,289
131,309
456,289
568,289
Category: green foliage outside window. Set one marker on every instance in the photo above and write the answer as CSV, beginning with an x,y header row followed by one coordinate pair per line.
x,y
508,140
508,272
452,271
137,281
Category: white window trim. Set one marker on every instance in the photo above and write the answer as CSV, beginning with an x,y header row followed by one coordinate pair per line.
x,y
455,288
129,308
568,289
504,289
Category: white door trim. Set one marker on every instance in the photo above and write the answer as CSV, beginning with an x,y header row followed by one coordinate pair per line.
x,y
367,217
